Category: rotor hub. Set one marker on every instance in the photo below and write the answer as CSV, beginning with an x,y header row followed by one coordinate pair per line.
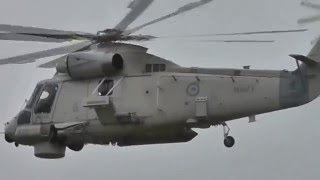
x,y
108,35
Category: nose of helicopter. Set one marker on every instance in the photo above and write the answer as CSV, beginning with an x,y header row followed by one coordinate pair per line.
x,y
9,132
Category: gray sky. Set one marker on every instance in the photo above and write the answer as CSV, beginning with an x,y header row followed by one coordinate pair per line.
x,y
281,145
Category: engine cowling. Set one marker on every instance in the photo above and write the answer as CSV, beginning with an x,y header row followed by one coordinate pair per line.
x,y
82,65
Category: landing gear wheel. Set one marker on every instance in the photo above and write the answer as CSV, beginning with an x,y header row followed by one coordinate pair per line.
x,y
229,141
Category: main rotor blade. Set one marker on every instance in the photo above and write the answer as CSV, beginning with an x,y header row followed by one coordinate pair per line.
x,y
239,41
48,33
31,57
263,32
31,30
23,37
309,19
233,34
65,37
181,10
137,8
52,63
230,41
310,5
148,37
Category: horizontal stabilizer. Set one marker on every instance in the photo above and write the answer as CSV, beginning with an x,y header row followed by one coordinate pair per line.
x,y
304,59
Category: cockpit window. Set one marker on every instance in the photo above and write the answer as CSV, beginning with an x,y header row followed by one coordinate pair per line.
x,y
46,98
33,98
24,117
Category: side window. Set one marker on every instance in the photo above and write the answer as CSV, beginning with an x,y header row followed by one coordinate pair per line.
x,y
155,68
148,68
105,87
162,67
46,98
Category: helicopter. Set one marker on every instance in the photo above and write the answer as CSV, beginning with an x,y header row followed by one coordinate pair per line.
x,y
106,91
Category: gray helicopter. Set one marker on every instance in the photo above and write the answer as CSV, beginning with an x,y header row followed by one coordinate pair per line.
x,y
109,92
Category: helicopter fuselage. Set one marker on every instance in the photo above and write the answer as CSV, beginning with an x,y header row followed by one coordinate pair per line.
x,y
156,104
152,101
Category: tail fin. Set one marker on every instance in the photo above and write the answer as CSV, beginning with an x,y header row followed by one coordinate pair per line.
x,y
309,71
305,59
315,52
313,58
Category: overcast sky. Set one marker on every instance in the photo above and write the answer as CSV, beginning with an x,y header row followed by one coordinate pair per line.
x,y
281,145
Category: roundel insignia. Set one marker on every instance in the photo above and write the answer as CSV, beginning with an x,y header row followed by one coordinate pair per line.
x,y
193,89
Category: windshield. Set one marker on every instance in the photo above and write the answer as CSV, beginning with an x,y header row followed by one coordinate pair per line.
x,y
33,98
46,99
